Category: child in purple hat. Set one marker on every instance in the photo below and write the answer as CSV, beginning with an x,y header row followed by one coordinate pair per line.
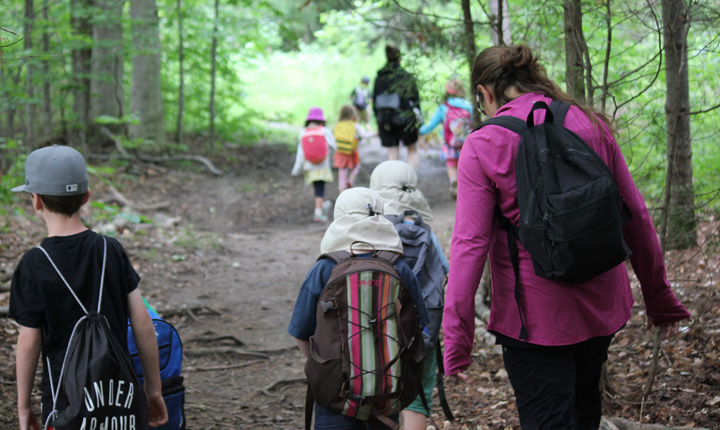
x,y
313,158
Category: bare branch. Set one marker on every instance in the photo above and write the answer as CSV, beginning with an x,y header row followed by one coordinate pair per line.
x,y
698,112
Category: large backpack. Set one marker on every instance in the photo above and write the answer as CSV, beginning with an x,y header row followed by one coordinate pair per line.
x,y
571,211
457,126
97,387
344,133
170,361
366,353
314,145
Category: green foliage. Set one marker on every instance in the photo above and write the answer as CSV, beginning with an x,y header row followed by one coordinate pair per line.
x,y
277,58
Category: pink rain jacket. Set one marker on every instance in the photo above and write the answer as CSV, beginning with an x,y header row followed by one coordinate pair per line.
x,y
555,313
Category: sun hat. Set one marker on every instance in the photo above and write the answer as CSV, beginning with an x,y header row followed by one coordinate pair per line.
x,y
396,182
55,171
315,114
358,222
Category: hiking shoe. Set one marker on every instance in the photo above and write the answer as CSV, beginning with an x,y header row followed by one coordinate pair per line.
x,y
319,215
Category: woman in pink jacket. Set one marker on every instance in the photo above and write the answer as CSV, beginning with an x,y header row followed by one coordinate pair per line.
x,y
555,371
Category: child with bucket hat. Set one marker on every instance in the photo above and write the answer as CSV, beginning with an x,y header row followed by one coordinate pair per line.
x,y
406,207
359,227
313,158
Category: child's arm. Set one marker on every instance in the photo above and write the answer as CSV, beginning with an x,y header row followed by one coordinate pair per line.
x,y
144,334
26,359
304,347
299,159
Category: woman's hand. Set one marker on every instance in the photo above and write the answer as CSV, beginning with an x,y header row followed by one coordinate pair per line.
x,y
461,377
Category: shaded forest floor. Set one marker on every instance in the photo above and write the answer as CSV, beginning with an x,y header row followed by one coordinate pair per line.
x,y
222,258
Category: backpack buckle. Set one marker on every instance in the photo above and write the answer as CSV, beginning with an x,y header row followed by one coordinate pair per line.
x,y
328,305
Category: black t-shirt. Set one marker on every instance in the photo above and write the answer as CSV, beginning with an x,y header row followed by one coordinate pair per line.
x,y
40,299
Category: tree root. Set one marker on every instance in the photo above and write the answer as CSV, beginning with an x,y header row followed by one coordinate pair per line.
x,y
281,383
225,350
220,368
231,338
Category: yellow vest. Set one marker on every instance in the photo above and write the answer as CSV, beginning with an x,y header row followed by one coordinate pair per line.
x,y
344,132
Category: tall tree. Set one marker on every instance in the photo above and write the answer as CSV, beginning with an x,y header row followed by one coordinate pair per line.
x,y
146,89
29,86
575,48
47,106
181,77
83,31
106,85
680,226
500,22
213,67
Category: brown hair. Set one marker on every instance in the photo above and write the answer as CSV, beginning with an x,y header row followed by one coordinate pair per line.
x,y
502,67
348,112
64,205
392,53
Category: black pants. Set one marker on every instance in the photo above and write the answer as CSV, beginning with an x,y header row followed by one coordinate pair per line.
x,y
557,387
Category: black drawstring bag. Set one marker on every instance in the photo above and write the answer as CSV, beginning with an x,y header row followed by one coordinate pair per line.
x,y
97,387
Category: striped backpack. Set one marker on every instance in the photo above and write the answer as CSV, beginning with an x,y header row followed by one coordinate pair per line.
x,y
367,351
344,133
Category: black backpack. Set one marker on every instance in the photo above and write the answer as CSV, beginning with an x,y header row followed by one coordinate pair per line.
x,y
571,211
97,387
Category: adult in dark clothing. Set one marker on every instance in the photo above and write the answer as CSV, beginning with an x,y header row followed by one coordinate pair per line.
x,y
395,105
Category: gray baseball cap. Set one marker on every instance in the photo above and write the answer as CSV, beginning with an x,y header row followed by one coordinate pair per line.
x,y
55,171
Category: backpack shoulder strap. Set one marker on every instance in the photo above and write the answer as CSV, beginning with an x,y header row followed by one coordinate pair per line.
x,y
336,256
511,123
102,276
388,256
559,110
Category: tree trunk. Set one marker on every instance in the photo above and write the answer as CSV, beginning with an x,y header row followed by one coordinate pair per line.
x,y
680,227
500,22
470,52
106,85
146,90
47,105
213,52
29,88
181,66
9,111
608,49
80,23
574,50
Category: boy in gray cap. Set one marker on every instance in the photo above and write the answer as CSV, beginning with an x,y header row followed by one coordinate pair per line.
x,y
57,180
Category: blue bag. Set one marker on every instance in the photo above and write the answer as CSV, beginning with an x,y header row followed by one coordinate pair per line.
x,y
170,359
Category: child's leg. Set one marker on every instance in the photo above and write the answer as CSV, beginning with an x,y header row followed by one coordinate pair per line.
x,y
393,152
342,178
451,164
412,156
413,420
319,187
319,214
452,173
353,174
